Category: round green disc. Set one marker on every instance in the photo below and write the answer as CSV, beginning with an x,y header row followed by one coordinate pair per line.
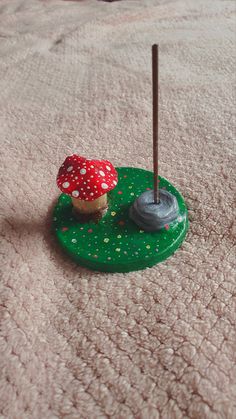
x,y
116,243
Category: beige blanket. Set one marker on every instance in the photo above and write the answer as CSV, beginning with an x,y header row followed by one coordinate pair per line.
x,y
75,76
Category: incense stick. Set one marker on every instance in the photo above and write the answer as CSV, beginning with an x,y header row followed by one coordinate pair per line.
x,y
155,120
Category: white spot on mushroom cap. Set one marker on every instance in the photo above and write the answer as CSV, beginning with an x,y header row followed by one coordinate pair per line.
x,y
101,173
65,185
69,168
82,171
104,186
75,194
115,183
108,168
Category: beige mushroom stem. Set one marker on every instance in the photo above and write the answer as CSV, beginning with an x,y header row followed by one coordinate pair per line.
x,y
90,207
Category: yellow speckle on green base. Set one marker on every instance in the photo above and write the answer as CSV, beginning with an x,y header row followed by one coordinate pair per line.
x,y
106,240
148,246
141,231
119,236
117,249
113,213
130,187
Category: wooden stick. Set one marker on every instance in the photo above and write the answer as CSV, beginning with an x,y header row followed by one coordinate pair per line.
x,y
155,120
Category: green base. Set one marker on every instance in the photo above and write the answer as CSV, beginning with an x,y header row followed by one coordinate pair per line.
x,y
116,243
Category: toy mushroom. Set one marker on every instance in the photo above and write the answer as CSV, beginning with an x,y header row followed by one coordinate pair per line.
x,y
87,182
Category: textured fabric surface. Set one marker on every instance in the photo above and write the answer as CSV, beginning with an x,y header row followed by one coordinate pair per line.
x,y
76,77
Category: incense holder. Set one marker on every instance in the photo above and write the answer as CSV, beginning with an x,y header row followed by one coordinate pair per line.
x,y
116,243
153,217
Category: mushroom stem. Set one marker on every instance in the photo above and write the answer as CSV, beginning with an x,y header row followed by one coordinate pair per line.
x,y
90,207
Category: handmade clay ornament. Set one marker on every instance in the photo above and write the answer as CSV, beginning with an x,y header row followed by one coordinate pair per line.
x,y
119,227
87,182
116,243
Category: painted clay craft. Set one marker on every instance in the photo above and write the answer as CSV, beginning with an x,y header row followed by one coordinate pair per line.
x,y
87,182
119,219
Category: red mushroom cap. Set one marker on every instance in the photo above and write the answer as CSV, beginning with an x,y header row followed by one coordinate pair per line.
x,y
86,179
